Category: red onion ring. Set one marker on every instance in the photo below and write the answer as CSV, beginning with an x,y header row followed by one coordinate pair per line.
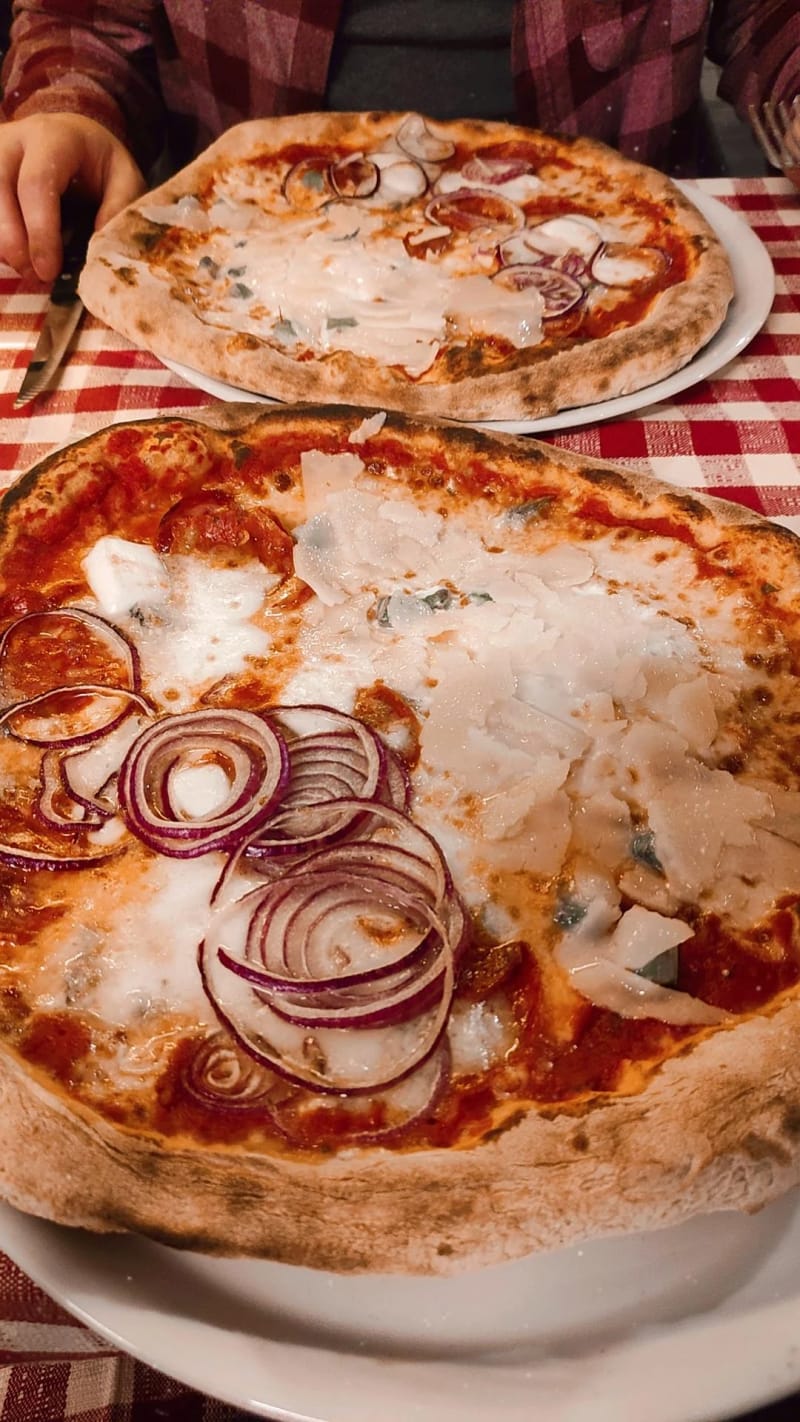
x,y
77,815
354,176
98,693
398,1108
16,857
253,756
335,766
283,943
220,1074
115,640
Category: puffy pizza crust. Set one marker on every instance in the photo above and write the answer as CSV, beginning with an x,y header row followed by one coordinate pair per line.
x,y
716,1127
118,289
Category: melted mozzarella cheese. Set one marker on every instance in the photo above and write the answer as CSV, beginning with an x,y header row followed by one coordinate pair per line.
x,y
346,282
204,628
131,954
565,698
123,575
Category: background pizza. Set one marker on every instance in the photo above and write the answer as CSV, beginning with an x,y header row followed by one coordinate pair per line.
x,y
398,843
467,269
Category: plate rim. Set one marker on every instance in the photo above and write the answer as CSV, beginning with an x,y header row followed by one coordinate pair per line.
x,y
588,1386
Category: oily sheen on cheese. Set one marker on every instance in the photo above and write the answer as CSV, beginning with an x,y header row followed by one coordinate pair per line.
x,y
341,282
399,842
556,692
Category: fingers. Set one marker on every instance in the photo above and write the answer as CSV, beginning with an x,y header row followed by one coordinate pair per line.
x,y
40,158
13,233
123,183
43,176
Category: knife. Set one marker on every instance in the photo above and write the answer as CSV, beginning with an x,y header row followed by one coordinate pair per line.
x,y
62,315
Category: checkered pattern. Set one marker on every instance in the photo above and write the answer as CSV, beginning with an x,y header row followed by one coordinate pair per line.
x,y
737,434
52,1368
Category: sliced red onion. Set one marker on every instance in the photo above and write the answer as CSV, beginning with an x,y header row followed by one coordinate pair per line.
x,y
300,925
336,763
53,709
337,1059
396,787
468,209
493,171
416,139
249,750
221,1074
569,233
518,251
398,852
307,185
572,264
558,291
358,938
112,638
354,177
90,774
57,807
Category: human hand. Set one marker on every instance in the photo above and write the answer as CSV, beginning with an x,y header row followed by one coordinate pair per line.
x,y
41,157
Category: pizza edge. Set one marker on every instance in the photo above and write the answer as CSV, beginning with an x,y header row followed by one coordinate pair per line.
x,y
681,322
715,1127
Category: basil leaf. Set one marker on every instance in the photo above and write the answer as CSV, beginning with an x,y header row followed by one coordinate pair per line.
x,y
643,849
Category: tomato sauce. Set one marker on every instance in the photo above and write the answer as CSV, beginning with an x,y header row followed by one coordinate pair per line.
x,y
555,1068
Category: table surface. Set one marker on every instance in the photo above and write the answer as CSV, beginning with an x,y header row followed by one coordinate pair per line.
x,y
737,435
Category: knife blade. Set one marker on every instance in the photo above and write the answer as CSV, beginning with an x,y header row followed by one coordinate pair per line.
x,y
62,316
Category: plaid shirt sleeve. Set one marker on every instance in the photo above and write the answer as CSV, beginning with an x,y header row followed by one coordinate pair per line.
x,y
96,59
625,71
628,71
758,46
129,63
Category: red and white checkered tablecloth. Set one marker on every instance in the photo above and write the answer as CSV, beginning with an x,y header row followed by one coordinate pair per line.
x,y
737,434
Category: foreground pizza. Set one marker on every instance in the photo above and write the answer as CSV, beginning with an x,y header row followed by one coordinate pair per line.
x,y
399,832
465,269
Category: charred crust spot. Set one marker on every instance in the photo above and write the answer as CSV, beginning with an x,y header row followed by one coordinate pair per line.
x,y
147,237
515,1119
734,763
690,507
126,275
760,1148
445,1250
580,1142
790,1122
606,479
244,342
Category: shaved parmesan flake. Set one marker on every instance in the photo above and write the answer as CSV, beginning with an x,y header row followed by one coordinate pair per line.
x,y
368,427
324,474
123,575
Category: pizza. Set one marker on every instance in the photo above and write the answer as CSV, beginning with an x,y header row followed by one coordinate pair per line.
x,y
469,270
399,842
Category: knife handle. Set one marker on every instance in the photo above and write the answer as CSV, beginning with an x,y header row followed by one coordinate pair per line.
x,y
76,240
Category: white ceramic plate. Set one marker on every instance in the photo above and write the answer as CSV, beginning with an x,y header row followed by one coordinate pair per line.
x,y
754,288
686,1325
